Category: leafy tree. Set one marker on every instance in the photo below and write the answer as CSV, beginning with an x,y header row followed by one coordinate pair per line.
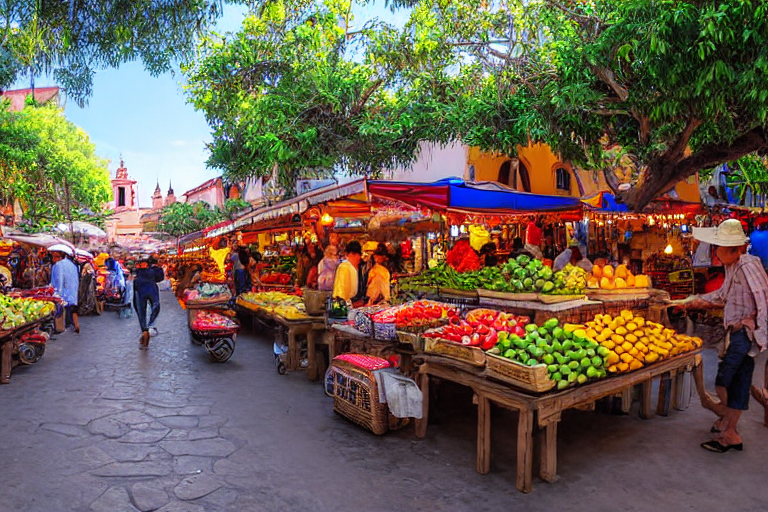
x,y
286,98
233,207
72,39
50,166
648,91
179,219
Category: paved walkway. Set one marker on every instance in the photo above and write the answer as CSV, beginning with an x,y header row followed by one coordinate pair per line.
x,y
98,425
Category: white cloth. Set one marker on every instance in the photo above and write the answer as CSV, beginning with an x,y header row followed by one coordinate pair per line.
x,y
401,394
562,260
702,257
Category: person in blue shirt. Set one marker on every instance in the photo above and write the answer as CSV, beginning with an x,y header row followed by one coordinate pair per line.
x,y
759,247
65,279
145,292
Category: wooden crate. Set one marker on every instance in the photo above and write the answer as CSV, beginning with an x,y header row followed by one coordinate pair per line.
x,y
471,355
556,299
490,294
531,378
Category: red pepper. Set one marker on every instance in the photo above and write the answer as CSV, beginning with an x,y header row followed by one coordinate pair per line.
x,y
482,329
476,340
490,340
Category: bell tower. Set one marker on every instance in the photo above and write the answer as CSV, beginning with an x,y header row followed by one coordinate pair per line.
x,y
124,190
157,198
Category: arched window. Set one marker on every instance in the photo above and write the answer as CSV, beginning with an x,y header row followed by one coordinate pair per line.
x,y
525,179
504,171
563,179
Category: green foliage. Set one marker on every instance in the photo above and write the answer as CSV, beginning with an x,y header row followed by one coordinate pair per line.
x,y
285,97
72,39
179,219
233,207
50,166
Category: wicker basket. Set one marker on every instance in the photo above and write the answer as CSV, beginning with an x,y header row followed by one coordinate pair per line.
x,y
356,396
531,378
314,301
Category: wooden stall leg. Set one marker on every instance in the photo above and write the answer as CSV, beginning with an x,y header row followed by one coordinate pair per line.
x,y
421,424
525,451
707,400
483,435
5,362
662,408
311,348
645,401
548,467
677,384
293,358
626,400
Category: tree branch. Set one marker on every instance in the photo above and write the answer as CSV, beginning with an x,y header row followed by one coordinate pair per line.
x,y
676,151
364,98
607,77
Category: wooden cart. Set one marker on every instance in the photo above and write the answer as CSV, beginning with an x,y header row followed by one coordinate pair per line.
x,y
7,339
546,409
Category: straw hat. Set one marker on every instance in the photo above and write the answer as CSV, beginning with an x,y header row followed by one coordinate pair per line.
x,y
729,233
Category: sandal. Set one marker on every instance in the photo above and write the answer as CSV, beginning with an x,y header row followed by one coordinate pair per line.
x,y
717,447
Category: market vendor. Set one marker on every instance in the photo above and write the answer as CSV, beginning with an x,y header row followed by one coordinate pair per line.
x,y
326,269
379,282
65,279
744,297
345,285
573,256
242,277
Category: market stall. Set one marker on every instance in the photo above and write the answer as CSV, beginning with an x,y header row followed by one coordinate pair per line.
x,y
21,339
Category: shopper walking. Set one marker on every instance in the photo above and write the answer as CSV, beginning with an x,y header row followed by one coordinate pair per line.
x,y
65,279
146,293
744,299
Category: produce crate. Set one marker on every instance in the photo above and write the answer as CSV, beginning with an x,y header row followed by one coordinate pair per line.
x,y
472,355
556,299
413,339
490,294
314,301
531,378
356,396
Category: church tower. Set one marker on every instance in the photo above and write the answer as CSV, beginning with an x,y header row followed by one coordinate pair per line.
x,y
171,197
157,198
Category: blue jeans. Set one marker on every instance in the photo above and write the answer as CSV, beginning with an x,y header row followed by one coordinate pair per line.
x,y
141,298
734,372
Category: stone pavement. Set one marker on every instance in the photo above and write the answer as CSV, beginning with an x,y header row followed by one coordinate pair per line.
x,y
98,425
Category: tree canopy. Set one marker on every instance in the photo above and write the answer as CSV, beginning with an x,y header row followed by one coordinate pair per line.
x,y
50,166
179,219
72,39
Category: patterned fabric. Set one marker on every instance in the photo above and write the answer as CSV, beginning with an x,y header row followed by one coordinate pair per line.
x,y
744,298
364,361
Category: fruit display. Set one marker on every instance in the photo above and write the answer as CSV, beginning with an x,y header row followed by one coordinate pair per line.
x,y
633,342
607,278
276,278
15,312
213,277
531,275
421,315
482,328
208,291
288,306
211,321
571,356
443,276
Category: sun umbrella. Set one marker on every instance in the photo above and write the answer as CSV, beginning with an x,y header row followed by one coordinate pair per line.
x,y
37,239
83,228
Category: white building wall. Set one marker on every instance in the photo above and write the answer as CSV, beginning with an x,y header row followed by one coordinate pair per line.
x,y
434,163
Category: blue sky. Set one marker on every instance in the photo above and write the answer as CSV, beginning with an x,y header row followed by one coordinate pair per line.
x,y
148,122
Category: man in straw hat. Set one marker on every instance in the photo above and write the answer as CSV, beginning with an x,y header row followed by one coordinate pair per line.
x,y
744,299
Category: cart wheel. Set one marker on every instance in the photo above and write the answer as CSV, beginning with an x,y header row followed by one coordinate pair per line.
x,y
281,369
40,351
220,349
27,353
194,338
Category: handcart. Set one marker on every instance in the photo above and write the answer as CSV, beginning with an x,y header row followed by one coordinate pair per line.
x,y
216,332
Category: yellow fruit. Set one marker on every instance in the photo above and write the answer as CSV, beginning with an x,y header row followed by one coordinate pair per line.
x,y
600,338
631,326
607,272
627,314
572,327
631,338
644,339
639,333
620,320
623,367
642,347
613,368
634,365
633,352
597,271
620,283
593,282
640,321
607,318
617,339
606,284
608,344
651,357
607,333
630,281
613,325
591,333
621,331
618,349
626,358
621,272
612,358
696,341
642,281
627,346
580,333
640,357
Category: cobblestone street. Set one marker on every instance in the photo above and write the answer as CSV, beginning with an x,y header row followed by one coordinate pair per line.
x,y
99,425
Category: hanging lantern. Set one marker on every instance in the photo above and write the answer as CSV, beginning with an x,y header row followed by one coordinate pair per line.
x,y
668,249
326,219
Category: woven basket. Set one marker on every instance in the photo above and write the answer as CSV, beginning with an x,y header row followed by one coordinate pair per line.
x,y
531,378
314,301
356,396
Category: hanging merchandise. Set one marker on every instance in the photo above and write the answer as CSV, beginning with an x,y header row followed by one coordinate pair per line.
x,y
462,257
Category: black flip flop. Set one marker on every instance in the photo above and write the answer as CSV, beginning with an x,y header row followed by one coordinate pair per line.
x,y
717,447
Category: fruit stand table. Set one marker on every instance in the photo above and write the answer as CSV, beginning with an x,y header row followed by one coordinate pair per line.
x,y
547,408
7,339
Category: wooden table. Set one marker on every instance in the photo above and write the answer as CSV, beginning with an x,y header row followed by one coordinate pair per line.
x,y
547,408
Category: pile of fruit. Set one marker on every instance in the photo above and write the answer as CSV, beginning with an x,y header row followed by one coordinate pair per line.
x,y
276,278
482,328
608,279
288,306
213,277
15,312
421,315
571,356
208,291
632,342
210,321
530,275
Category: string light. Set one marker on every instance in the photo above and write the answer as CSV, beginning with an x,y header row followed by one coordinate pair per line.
x,y
668,249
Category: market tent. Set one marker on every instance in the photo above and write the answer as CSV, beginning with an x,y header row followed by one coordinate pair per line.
x,y
82,228
454,194
36,239
605,202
